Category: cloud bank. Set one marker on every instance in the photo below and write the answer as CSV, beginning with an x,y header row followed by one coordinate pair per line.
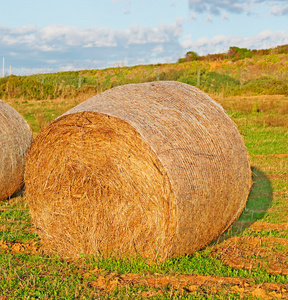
x,y
30,49
216,7
221,43
56,47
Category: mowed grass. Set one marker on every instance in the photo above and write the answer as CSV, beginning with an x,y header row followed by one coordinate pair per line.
x,y
257,241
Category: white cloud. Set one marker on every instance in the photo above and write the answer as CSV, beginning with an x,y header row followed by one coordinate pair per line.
x,y
56,37
215,7
33,47
193,16
225,16
69,68
209,19
31,70
221,43
158,49
23,29
160,34
279,11
89,45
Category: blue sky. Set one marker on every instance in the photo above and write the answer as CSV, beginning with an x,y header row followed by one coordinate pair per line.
x,y
50,36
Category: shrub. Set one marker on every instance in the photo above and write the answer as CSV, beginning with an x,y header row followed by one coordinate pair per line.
x,y
266,85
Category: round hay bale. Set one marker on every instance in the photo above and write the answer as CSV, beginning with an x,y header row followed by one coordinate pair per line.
x,y
15,139
155,168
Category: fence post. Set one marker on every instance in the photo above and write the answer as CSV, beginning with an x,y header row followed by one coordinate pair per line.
x,y
79,81
3,66
157,75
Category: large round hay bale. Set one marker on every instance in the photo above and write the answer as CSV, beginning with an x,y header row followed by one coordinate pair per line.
x,y
15,139
156,168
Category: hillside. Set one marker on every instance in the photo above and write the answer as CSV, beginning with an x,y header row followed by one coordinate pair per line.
x,y
238,72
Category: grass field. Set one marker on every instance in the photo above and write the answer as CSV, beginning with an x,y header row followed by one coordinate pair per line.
x,y
249,261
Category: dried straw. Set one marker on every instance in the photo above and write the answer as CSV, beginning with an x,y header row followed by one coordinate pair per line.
x,y
156,168
15,138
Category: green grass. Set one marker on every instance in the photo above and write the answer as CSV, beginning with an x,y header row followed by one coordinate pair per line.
x,y
40,113
265,233
48,277
265,140
26,275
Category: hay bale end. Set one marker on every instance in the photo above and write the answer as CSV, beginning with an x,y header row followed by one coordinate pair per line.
x,y
15,139
154,168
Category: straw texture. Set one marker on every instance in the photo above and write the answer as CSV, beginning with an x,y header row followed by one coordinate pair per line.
x,y
15,138
155,168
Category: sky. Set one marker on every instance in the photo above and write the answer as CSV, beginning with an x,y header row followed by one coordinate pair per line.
x,y
50,36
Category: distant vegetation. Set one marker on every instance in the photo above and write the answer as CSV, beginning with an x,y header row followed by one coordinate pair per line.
x,y
240,71
234,54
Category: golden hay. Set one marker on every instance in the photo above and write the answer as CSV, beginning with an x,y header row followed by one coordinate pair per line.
x,y
15,139
156,168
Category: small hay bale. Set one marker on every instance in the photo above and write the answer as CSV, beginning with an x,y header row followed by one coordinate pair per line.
x,y
155,168
15,139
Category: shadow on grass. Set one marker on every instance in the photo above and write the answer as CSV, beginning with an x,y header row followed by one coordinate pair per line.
x,y
15,195
259,200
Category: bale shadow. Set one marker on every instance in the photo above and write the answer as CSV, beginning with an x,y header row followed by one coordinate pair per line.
x,y
259,200
14,198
